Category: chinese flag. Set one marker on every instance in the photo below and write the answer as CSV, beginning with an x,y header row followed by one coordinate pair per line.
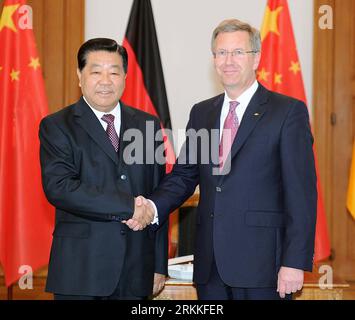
x,y
25,215
145,86
350,201
280,71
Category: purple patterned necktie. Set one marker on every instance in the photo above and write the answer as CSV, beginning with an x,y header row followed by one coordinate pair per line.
x,y
110,130
230,128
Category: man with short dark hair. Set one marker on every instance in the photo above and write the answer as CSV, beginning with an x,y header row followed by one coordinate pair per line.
x,y
86,175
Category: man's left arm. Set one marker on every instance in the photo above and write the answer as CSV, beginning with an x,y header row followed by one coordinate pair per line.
x,y
161,238
300,198
299,187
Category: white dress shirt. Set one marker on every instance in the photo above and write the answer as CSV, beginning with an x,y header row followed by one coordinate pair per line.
x,y
116,112
243,100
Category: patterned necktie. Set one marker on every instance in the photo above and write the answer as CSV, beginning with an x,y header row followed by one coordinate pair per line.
x,y
110,130
230,128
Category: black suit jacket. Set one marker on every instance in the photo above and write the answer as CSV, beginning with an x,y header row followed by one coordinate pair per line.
x,y
93,189
261,215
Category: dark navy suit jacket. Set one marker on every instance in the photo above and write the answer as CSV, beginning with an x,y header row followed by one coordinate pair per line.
x,y
262,214
93,189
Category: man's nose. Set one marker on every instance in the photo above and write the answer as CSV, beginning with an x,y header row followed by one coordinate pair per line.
x,y
105,78
229,58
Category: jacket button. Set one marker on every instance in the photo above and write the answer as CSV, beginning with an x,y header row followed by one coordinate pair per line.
x,y
218,189
123,232
212,215
123,177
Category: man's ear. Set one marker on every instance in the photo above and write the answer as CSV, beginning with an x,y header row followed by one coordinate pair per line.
x,y
78,72
257,58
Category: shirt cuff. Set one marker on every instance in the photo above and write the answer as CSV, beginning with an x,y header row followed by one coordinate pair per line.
x,y
156,217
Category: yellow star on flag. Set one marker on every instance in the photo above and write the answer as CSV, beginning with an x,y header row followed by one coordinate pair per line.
x,y
262,75
6,17
277,78
34,63
0,68
270,22
15,75
295,67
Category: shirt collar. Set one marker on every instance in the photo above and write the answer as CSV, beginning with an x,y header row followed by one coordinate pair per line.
x,y
115,111
246,96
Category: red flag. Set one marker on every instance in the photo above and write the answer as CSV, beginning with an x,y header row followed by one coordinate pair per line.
x,y
280,71
350,199
145,87
25,215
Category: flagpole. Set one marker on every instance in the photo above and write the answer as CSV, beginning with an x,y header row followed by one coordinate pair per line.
x,y
10,292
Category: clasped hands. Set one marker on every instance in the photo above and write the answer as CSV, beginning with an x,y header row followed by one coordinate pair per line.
x,y
142,216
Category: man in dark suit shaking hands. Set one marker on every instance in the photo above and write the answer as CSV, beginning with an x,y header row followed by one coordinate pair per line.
x,y
257,210
88,177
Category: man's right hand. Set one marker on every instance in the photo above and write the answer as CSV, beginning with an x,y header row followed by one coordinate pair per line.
x,y
142,216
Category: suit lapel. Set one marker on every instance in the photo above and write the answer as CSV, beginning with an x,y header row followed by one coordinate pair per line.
x,y
213,123
253,113
127,122
213,116
89,122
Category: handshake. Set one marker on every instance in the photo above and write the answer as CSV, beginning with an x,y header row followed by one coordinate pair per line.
x,y
142,216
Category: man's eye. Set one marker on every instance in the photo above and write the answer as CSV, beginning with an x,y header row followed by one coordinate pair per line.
x,y
238,52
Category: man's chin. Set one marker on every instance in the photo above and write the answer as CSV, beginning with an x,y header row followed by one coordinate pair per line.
x,y
105,104
230,84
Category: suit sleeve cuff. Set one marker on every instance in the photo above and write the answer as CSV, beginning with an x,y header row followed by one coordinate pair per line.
x,y
156,218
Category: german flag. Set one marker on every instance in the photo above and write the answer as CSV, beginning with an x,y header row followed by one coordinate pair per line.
x,y
145,86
